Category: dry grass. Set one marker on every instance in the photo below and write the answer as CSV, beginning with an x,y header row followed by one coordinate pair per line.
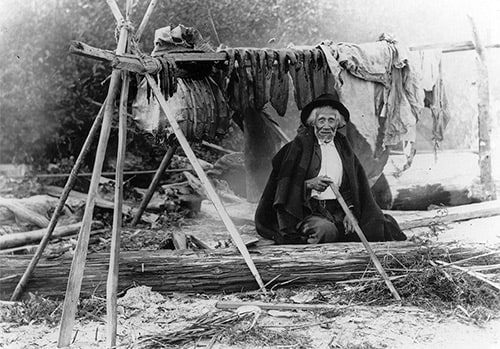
x,y
364,345
206,326
39,310
433,287
258,337
228,328
33,310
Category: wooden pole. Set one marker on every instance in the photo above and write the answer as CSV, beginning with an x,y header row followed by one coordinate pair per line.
x,y
450,46
24,238
235,235
365,242
133,63
212,23
472,273
78,264
114,256
128,9
125,173
145,19
484,118
60,205
154,183
114,259
116,12
217,147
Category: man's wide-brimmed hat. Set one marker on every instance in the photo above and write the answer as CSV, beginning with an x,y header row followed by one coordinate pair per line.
x,y
322,101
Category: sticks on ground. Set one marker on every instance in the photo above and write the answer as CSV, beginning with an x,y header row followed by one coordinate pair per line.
x,y
477,275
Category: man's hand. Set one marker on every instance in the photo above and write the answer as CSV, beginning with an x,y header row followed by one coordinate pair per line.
x,y
322,236
314,238
319,183
348,226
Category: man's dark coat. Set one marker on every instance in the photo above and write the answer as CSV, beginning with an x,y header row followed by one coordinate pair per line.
x,y
285,201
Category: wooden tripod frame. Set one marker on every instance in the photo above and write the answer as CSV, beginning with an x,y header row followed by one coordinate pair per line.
x,y
125,45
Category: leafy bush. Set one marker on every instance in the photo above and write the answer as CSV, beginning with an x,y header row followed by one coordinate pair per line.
x,y
45,105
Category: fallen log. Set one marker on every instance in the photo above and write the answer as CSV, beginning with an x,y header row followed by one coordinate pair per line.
x,y
179,240
29,237
100,202
226,305
30,210
20,250
414,219
419,197
197,186
450,180
223,270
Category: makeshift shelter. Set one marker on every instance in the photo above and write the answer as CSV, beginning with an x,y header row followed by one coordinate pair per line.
x,y
376,81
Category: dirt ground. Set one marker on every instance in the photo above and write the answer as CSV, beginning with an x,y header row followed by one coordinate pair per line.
x,y
392,326
143,312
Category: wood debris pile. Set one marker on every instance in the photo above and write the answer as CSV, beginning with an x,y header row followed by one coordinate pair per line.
x,y
23,221
206,326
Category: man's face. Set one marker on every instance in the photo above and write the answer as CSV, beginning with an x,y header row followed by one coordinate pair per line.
x,y
326,124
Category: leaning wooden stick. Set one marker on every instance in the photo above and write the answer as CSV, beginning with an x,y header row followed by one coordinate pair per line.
x,y
128,9
154,183
365,242
145,19
235,235
19,239
60,205
482,255
472,273
116,11
80,256
114,257
217,147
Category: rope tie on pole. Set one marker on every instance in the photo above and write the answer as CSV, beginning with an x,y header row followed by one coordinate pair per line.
x,y
151,64
123,24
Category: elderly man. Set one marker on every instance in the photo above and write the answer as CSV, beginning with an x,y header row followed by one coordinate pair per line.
x,y
298,206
